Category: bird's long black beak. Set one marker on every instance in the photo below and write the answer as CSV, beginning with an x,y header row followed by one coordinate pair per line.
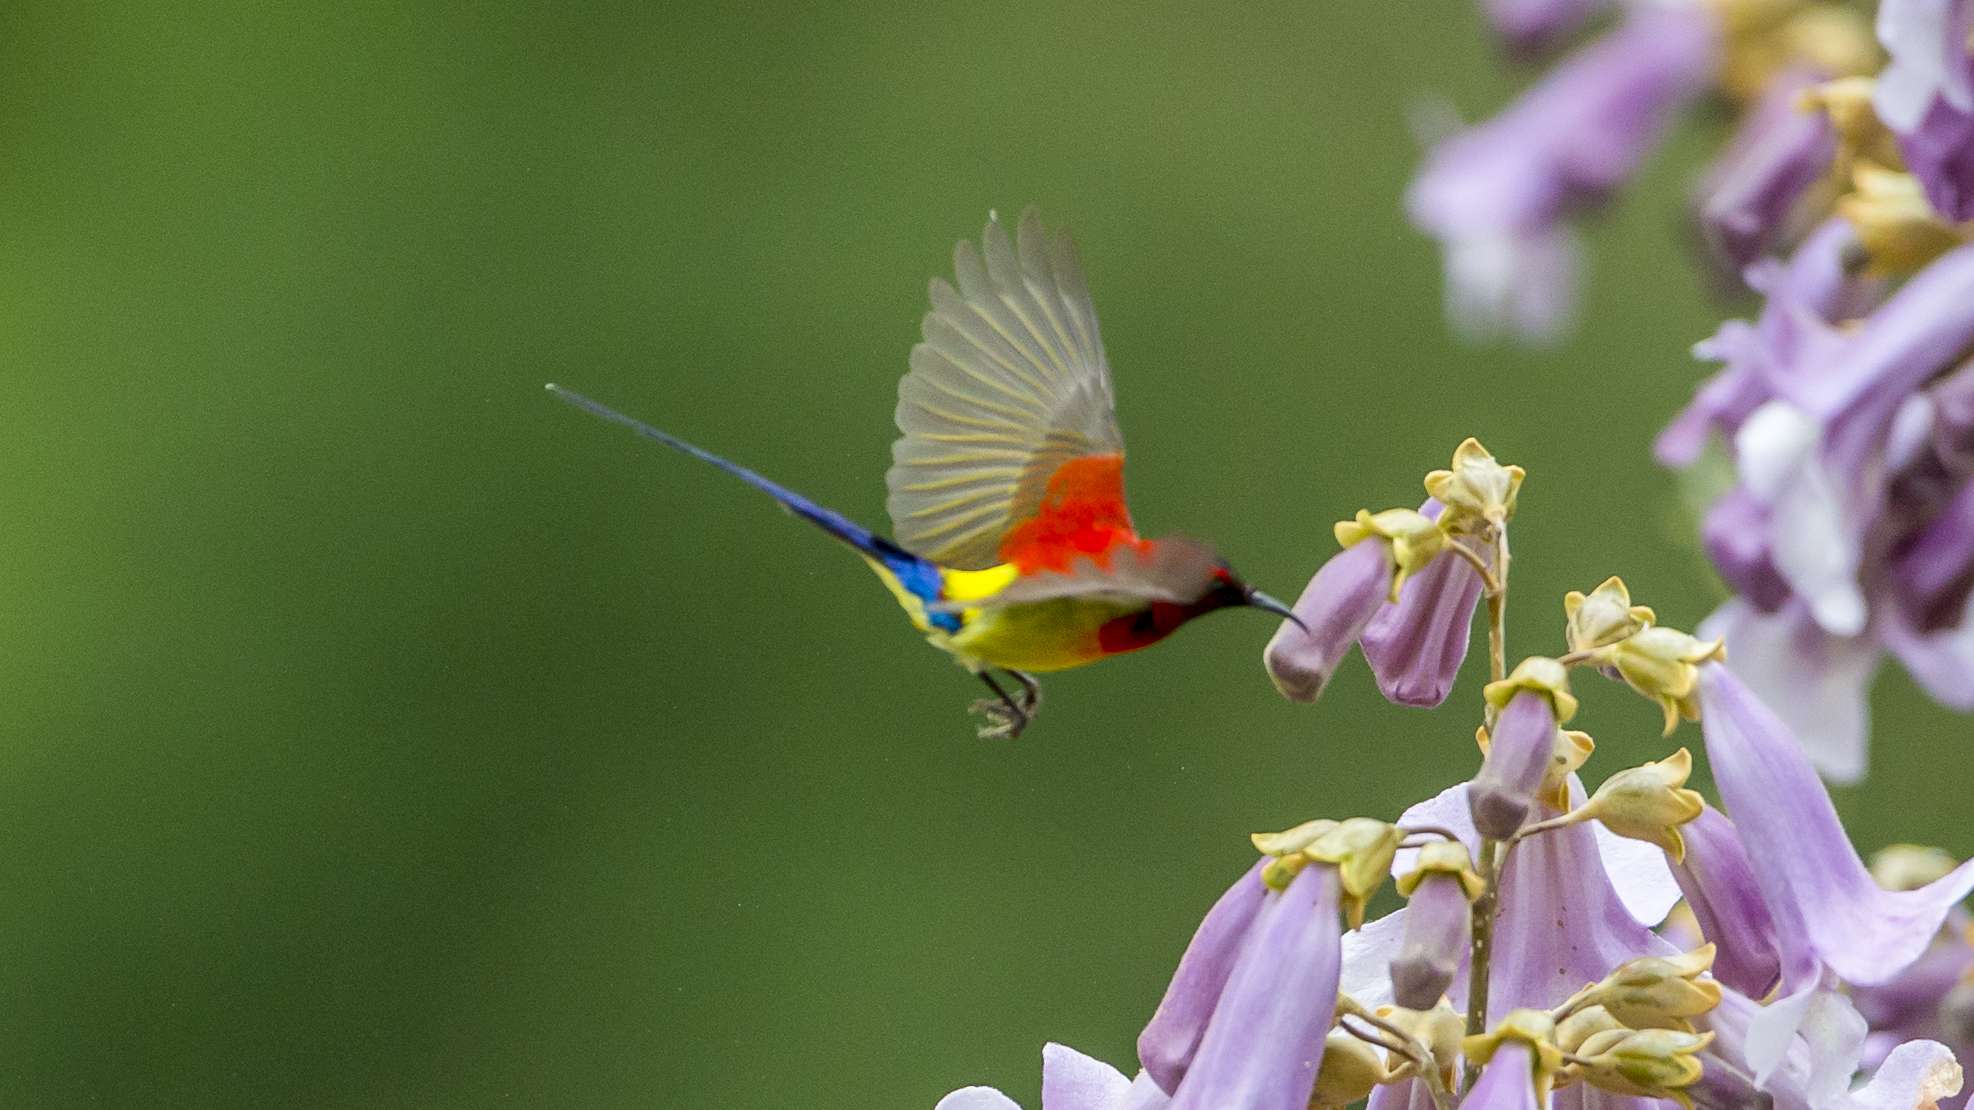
x,y
1266,604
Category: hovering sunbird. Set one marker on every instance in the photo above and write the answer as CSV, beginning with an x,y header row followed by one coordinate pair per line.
x,y
1014,549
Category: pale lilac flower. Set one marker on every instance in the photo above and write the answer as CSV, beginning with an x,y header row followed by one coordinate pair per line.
x,y
1070,1081
1928,1000
1850,530
1334,609
1806,299
1415,646
1811,1065
1518,754
1785,819
1748,195
1268,1016
1438,922
1497,195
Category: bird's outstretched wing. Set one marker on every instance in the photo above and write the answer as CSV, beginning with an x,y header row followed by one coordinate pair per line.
x,y
1173,569
1007,406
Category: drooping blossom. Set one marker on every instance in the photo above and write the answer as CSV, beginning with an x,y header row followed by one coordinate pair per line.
x,y
1499,195
1414,642
1415,645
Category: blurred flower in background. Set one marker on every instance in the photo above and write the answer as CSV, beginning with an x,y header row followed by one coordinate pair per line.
x,y
1843,198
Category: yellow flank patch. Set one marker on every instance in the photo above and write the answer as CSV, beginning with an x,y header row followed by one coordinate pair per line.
x,y
1046,635
972,585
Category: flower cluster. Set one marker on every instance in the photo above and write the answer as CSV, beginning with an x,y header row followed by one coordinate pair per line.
x,y
1847,405
1630,945
1501,196
1845,199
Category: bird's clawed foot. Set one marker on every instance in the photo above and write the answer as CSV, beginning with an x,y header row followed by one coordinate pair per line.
x,y
1006,716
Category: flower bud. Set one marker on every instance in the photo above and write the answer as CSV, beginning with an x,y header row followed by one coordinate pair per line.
x,y
1519,753
1438,924
1648,1063
1440,1029
1477,491
1655,992
1583,1024
1414,540
1664,664
1648,803
1350,1071
1603,616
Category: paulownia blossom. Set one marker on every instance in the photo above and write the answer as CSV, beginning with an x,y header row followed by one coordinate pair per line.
x,y
1850,533
1499,195
1538,961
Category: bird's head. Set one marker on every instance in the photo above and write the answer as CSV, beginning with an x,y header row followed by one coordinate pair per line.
x,y
1228,591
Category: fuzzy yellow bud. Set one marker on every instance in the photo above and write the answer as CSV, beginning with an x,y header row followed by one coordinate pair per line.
x,y
1477,491
1444,857
1648,803
1580,1026
1664,664
1350,1071
1603,616
1655,992
1531,1027
1647,1063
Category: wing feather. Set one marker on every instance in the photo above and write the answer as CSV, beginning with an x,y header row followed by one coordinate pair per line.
x,y
1009,384
1172,569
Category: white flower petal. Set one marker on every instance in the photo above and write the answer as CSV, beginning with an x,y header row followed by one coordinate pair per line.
x,y
1639,874
1917,1075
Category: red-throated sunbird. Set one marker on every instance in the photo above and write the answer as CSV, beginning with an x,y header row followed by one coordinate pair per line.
x,y
1014,549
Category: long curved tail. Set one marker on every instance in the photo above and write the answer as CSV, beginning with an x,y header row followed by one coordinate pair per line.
x,y
910,569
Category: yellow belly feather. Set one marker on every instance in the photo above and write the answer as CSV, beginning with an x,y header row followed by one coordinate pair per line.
x,y
1048,635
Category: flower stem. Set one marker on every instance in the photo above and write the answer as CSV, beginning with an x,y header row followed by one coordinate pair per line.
x,y
1492,853
1483,946
1497,609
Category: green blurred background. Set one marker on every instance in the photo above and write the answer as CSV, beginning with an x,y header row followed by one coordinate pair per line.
x,y
376,732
